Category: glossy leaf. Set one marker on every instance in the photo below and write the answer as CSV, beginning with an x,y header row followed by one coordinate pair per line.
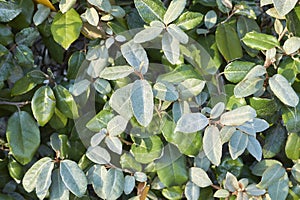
x,y
114,144
58,188
199,177
275,140
280,189
142,102
260,41
148,34
73,178
23,136
212,144
283,90
100,121
129,183
170,46
248,87
237,144
115,183
292,146
98,155
174,10
9,10
192,122
271,176
237,70
191,191
254,148
150,10
189,20
44,180
102,86
116,125
284,7
66,28
114,73
43,105
177,33
41,14
190,88
296,171
165,91
127,161
238,116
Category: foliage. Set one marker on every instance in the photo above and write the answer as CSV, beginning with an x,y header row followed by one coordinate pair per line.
x,y
152,99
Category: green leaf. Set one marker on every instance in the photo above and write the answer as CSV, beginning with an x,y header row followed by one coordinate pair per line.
x,y
114,144
22,86
15,170
73,178
136,56
254,191
191,191
199,177
165,91
116,125
191,122
23,136
280,189
293,21
260,41
190,88
271,175
292,146
284,7
149,33
274,142
189,20
41,14
66,28
254,148
283,90
237,70
98,155
65,102
171,168
44,180
170,46
27,36
217,110
177,33
99,176
289,68
43,105
212,144
174,10
9,11
172,193
145,150
221,193
140,176
296,171
248,87
102,86
114,184
74,64
142,102
228,42
100,121
291,45
114,73
129,183
261,166
210,19
58,120
24,56
237,144
127,161
65,5
58,189
238,116
102,5
120,101
264,107
31,176
150,10
231,182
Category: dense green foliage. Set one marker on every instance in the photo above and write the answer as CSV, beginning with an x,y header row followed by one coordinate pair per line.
x,y
137,99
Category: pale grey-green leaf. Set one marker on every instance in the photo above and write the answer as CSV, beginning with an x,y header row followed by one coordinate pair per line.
x,y
231,182
221,193
254,191
98,137
191,191
165,91
191,122
283,7
271,175
199,177
98,155
170,46
226,133
41,14
114,144
174,10
58,189
129,184
147,34
190,88
65,5
92,16
80,87
212,144
210,19
254,148
291,45
115,184
217,110
177,33
280,189
44,180
238,116
237,144
116,125
114,73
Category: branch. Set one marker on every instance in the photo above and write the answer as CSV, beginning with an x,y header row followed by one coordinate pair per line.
x,y
18,104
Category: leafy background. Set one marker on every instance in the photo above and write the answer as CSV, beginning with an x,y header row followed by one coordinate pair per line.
x,y
149,99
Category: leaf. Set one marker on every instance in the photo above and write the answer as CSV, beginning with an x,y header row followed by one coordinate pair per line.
x,y
24,56
274,142
190,88
191,191
66,28
221,193
74,64
65,5
248,87
41,14
27,36
283,90
228,42
142,102
254,148
114,144
174,10
165,91
284,7
189,20
210,19
260,41
145,150
23,136
92,16
136,56
170,46
73,178
114,73
280,189
100,121
98,137
171,168
44,180
226,133
148,34
150,10
199,177
102,86
129,183
9,11
238,116
292,146
172,193
231,182
177,33
261,166
116,125
291,45
98,155
217,110
31,176
65,102
254,191
120,101
212,144
58,189
114,184
43,105
127,161
296,171
192,122
271,175
140,176
237,70
237,144
102,5
98,180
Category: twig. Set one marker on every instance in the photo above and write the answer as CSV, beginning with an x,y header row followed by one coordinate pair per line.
x,y
125,142
18,104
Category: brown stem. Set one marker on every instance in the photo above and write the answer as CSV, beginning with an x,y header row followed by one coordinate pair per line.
x,y
216,187
126,142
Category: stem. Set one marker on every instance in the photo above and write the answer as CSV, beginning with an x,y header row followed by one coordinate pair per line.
x,y
216,187
18,104
282,34
126,142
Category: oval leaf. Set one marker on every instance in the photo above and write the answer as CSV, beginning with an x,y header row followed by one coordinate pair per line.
x,y
212,144
191,122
